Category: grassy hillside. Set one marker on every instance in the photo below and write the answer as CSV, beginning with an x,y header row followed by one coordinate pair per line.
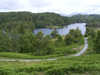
x,y
84,65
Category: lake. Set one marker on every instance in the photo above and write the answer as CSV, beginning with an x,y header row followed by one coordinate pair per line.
x,y
65,30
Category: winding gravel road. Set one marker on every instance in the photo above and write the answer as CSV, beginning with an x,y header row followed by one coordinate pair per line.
x,y
50,59
84,49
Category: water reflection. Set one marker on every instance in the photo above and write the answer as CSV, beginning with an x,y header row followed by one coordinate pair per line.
x,y
65,30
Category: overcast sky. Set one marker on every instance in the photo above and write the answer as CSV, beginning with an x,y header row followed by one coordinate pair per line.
x,y
64,7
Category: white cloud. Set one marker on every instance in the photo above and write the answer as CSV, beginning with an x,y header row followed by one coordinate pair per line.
x,y
58,6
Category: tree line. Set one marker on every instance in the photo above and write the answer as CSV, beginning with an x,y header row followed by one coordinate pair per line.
x,y
37,44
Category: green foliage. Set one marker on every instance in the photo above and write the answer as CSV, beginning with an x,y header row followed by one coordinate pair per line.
x,y
14,55
90,32
68,50
15,20
74,36
59,41
97,43
20,21
68,39
91,20
5,41
38,45
64,66
26,42
54,33
39,35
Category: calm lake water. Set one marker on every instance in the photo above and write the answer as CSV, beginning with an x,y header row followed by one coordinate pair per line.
x,y
65,30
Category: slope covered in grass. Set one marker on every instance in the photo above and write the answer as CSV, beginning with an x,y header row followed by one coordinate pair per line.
x,y
83,65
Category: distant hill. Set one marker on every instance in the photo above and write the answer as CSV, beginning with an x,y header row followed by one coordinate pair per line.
x,y
91,20
37,19
20,21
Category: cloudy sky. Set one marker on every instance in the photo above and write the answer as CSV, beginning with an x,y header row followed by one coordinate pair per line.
x,y
64,7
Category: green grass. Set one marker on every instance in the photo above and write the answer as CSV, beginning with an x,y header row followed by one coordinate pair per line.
x,y
53,27
68,50
90,46
24,56
83,65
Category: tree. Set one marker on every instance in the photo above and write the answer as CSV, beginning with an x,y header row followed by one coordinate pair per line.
x,y
54,33
97,43
74,36
68,39
43,46
90,32
59,41
35,44
26,42
5,42
39,35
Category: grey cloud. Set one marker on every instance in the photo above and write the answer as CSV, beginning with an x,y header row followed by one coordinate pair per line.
x,y
9,5
58,6
39,3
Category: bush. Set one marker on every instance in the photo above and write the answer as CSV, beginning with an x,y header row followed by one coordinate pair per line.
x,y
97,43
74,36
